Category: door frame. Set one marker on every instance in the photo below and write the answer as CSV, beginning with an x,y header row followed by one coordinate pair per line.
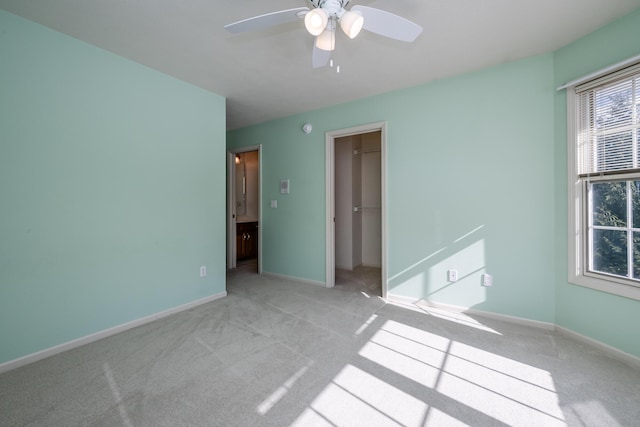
x,y
330,174
232,250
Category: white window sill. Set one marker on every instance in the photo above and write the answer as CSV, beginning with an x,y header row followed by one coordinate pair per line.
x,y
610,287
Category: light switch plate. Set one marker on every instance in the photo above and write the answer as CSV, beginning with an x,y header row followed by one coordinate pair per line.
x,y
274,204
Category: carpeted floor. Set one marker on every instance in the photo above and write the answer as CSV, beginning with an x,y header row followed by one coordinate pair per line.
x,y
278,353
360,279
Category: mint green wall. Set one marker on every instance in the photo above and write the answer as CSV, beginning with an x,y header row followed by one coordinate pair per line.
x,y
601,316
112,190
455,198
470,187
292,232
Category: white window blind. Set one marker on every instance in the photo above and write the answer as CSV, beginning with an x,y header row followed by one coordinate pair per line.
x,y
609,123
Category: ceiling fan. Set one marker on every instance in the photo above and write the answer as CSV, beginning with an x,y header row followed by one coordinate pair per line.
x,y
326,15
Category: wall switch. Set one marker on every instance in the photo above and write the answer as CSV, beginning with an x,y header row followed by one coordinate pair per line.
x,y
487,280
203,271
452,275
274,204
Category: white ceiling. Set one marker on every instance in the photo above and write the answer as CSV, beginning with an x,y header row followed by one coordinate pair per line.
x,y
267,74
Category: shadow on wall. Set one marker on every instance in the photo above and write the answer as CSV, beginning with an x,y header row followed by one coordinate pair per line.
x,y
428,278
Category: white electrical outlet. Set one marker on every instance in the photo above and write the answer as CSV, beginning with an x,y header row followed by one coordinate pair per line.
x,y
203,271
452,275
487,280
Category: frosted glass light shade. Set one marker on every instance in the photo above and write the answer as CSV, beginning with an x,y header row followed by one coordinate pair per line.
x,y
351,23
326,40
316,21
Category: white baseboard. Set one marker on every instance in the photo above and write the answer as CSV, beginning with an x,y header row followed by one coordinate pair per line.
x,y
401,299
513,319
371,265
345,267
459,309
48,352
611,351
630,359
296,279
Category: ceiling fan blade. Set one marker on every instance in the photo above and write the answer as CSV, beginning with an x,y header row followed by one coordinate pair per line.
x,y
387,24
320,57
265,21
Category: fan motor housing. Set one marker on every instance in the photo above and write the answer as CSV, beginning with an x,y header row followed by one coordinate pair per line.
x,y
334,8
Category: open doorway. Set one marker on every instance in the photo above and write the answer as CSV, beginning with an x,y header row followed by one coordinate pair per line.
x,y
244,214
356,213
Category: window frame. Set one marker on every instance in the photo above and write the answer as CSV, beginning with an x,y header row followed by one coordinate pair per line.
x,y
578,215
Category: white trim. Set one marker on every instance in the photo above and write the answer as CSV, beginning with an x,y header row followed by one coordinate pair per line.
x,y
574,194
401,299
600,72
611,351
330,138
260,209
370,265
610,286
231,211
513,319
576,256
78,342
460,309
330,203
295,279
383,217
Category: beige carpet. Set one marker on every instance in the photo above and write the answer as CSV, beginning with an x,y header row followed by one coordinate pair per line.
x,y
278,353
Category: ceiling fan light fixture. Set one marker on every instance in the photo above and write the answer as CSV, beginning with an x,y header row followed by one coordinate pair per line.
x,y
316,21
326,40
351,23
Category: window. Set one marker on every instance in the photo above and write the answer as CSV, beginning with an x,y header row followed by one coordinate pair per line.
x,y
604,189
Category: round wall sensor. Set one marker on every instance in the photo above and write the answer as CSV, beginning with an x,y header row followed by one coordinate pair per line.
x,y
307,128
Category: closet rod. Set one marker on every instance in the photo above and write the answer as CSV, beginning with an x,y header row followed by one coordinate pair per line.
x,y
369,150
364,208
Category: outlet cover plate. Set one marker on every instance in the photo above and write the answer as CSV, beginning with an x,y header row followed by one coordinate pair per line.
x,y
487,280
